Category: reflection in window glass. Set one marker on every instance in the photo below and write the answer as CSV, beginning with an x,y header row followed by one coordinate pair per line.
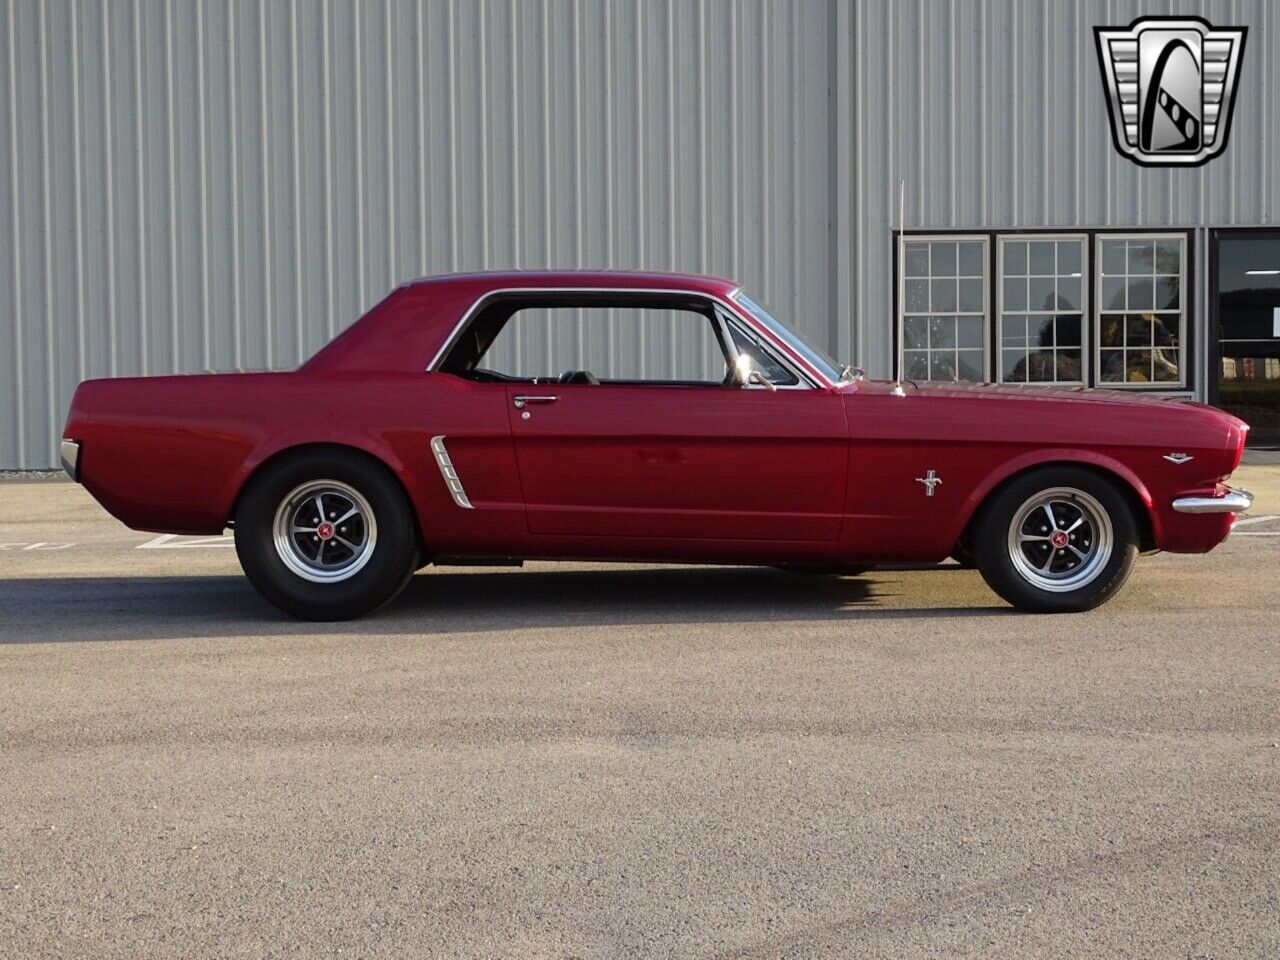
x,y
1141,311
1041,310
943,309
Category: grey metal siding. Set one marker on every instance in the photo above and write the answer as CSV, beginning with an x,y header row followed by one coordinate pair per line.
x,y
213,185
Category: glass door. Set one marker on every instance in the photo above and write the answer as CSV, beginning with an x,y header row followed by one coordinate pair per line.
x,y
1247,265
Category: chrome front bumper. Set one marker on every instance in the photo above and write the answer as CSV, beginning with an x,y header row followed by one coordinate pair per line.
x,y
1235,501
70,450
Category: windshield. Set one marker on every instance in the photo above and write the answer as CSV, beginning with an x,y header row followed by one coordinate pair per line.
x,y
819,358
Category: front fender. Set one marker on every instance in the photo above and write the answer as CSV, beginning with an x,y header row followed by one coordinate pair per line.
x,y
1051,455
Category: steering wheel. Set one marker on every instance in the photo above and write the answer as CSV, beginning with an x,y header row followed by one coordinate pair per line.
x,y
578,376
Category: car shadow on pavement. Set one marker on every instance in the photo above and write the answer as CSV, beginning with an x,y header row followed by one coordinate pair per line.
x,y
40,610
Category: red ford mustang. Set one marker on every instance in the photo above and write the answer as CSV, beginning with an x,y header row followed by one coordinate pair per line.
x,y
417,436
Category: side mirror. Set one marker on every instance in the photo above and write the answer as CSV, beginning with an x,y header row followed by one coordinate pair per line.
x,y
745,374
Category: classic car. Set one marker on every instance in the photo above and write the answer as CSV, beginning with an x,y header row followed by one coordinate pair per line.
x,y
429,431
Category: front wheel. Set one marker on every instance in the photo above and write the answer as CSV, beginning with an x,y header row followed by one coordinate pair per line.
x,y
326,535
1056,540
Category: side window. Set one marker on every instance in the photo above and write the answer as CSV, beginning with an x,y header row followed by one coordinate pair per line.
x,y
608,345
762,361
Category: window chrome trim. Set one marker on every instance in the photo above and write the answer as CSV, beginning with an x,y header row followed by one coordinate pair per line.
x,y
809,378
731,323
449,474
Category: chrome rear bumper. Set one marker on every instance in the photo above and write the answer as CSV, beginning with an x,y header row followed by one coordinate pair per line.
x,y
70,450
1235,501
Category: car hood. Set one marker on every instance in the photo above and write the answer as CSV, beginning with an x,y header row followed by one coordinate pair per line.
x,y
1027,393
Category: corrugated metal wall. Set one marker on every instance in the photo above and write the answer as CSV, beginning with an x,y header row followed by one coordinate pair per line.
x,y
213,185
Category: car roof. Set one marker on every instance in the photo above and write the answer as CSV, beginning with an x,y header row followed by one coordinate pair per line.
x,y
628,279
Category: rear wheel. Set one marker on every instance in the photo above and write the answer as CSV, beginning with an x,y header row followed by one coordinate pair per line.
x,y
326,535
1056,540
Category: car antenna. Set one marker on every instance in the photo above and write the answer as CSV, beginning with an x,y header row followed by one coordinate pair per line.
x,y
897,390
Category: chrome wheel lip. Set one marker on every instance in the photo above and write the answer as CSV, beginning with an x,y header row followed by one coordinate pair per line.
x,y
291,555
1093,562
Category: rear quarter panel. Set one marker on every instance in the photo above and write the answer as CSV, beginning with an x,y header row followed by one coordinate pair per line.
x,y
171,454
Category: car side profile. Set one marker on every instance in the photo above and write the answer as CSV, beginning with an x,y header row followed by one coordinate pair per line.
x,y
708,432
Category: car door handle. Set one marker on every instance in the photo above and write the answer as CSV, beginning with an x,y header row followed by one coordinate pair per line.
x,y
521,399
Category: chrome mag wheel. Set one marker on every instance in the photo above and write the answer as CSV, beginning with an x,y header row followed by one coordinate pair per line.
x,y
325,531
1060,539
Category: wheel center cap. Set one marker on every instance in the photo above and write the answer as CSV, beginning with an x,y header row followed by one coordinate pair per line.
x,y
1059,539
325,531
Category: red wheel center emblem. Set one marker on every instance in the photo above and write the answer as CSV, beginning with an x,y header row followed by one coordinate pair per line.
x,y
325,531
1059,539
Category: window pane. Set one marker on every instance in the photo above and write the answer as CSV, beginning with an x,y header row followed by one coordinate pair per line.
x,y
1164,330
1015,293
1111,333
917,296
1137,331
969,331
1069,365
1040,331
1113,257
1112,370
942,366
1015,258
1137,366
1040,294
971,295
970,365
1013,366
944,295
1113,289
917,260
915,365
1142,293
1013,331
1068,257
1166,366
915,333
943,263
971,259
1068,293
1168,257
1041,366
1042,257
1069,331
1141,256
1167,293
942,332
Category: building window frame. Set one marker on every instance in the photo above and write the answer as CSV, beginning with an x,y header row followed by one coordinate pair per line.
x,y
1085,308
984,238
1184,308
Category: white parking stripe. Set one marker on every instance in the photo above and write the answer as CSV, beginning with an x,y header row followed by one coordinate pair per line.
x,y
170,541
1245,521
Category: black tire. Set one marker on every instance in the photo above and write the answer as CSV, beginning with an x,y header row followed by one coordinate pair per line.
x,y
825,569
378,571
963,555
1079,574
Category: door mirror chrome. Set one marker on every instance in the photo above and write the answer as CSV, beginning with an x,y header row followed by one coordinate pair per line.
x,y
744,374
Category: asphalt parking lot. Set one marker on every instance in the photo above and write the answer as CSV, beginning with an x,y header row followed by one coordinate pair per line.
x,y
598,760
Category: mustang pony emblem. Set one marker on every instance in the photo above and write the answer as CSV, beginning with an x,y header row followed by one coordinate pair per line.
x,y
930,480
1171,84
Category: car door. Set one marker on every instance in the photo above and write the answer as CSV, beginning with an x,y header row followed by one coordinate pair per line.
x,y
686,462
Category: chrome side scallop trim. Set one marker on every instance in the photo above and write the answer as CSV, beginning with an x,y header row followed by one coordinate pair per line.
x,y
70,451
1235,501
449,473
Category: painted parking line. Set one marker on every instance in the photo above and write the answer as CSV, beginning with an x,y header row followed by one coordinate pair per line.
x,y
37,545
1245,521
171,541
